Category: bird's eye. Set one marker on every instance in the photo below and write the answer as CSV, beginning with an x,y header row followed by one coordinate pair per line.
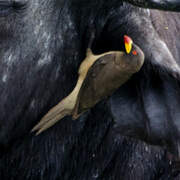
x,y
134,53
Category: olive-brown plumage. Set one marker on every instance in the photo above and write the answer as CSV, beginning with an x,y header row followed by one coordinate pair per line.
x,y
106,75
99,76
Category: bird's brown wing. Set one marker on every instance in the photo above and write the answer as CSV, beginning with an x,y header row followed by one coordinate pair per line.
x,y
91,92
106,75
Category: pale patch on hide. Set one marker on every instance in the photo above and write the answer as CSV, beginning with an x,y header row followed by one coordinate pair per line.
x,y
32,105
58,71
45,60
9,58
4,78
47,37
148,12
38,27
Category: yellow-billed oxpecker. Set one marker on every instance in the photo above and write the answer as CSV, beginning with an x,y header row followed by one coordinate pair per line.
x,y
99,76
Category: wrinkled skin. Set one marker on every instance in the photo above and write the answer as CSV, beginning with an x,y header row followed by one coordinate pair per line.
x,y
173,5
41,47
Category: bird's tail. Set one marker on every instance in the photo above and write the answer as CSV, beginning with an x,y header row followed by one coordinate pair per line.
x,y
55,114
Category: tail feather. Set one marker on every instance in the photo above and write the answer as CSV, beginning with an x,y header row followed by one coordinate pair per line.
x,y
51,121
64,108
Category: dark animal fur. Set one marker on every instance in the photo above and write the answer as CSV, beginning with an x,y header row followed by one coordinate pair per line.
x,y
41,48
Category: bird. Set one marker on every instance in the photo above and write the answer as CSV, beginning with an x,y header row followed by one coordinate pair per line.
x,y
99,76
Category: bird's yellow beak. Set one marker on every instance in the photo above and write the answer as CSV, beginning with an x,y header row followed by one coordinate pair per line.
x,y
128,44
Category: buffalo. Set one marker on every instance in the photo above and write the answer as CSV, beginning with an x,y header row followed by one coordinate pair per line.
x,y
42,44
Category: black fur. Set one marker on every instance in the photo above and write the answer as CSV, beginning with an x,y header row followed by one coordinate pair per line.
x,y
41,49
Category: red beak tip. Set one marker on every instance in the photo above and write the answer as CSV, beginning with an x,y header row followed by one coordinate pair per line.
x,y
127,39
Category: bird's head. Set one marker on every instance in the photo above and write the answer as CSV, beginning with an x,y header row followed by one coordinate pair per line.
x,y
133,57
129,46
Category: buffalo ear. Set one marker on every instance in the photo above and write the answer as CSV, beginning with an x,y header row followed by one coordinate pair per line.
x,y
167,5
